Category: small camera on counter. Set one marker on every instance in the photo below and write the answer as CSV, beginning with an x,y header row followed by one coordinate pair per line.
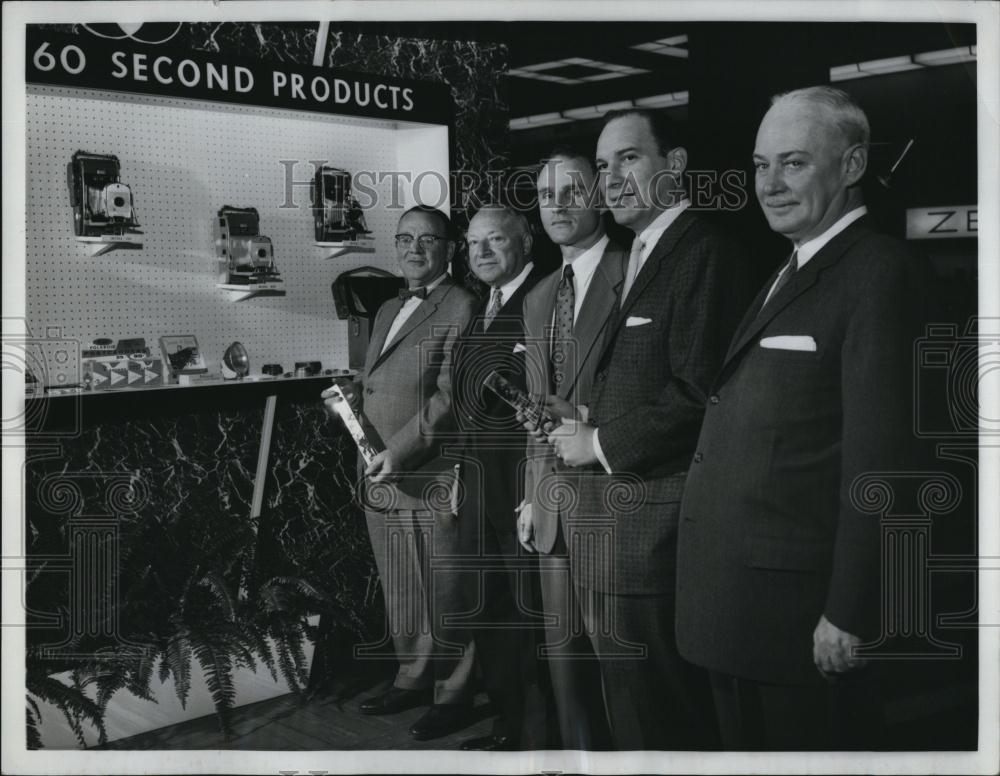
x,y
308,368
248,255
102,204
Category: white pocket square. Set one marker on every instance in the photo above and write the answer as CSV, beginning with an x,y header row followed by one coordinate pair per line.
x,y
636,321
790,342
519,348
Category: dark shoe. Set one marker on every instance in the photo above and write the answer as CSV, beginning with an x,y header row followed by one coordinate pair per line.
x,y
490,743
395,699
440,720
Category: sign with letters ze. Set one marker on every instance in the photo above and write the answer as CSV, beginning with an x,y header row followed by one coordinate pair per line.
x,y
925,223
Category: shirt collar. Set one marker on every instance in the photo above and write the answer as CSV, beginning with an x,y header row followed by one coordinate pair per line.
x,y
507,290
586,262
810,248
652,233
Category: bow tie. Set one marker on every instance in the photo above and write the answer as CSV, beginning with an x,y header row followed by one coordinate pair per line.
x,y
406,293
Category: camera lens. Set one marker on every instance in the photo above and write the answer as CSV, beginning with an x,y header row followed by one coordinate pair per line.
x,y
261,253
119,201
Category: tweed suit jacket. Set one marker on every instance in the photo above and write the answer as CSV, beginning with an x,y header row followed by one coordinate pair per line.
x,y
549,482
664,345
407,393
771,535
492,439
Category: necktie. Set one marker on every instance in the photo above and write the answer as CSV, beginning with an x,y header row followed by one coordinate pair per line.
x,y
783,277
496,302
407,293
563,333
634,260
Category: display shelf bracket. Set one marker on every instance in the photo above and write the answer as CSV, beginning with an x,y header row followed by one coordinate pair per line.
x,y
237,293
332,250
106,243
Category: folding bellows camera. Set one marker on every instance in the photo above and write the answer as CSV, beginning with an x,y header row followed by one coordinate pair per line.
x,y
102,204
248,254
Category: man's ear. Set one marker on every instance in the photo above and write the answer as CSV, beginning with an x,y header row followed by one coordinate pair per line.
x,y
677,158
526,242
452,247
855,163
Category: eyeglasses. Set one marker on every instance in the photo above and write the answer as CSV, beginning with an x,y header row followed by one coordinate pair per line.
x,y
425,241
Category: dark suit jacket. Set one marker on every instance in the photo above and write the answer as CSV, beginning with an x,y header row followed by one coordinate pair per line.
x,y
545,475
663,347
770,537
407,393
492,439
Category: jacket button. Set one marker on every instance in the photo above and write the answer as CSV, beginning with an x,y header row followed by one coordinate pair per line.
x,y
698,457
713,399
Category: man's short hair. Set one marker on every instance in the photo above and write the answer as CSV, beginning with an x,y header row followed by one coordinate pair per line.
x,y
665,132
847,114
449,229
567,151
511,213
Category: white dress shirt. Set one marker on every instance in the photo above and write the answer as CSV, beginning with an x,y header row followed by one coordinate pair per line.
x,y
805,251
507,290
649,237
407,310
584,267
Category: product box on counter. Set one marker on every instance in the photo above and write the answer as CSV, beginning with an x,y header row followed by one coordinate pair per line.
x,y
104,374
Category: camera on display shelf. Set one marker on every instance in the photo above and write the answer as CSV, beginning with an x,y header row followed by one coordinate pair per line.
x,y
338,216
248,255
102,204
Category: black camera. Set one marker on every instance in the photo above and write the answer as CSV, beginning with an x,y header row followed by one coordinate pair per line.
x,y
102,204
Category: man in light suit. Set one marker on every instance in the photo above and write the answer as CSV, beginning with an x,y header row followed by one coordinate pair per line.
x,y
677,309
406,394
778,569
586,285
500,241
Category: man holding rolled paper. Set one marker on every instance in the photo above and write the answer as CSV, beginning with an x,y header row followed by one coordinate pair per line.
x,y
405,394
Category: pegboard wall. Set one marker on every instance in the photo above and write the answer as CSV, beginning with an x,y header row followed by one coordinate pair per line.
x,y
183,161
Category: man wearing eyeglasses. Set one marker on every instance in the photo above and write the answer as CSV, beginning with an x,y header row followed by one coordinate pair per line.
x,y
405,391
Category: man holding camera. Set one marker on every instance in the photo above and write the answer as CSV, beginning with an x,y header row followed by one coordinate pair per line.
x,y
405,391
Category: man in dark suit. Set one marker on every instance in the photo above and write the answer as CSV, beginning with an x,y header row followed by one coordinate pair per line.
x,y
586,287
778,570
406,393
499,241
678,306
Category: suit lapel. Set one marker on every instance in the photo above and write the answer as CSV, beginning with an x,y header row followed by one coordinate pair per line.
x,y
598,305
424,310
537,323
757,318
390,309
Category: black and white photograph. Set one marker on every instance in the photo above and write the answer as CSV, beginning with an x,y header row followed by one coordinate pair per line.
x,y
501,387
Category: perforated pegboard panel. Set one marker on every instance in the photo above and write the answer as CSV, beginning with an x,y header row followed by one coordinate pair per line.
x,y
183,161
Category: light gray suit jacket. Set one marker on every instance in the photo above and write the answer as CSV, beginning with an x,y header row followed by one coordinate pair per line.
x,y
547,487
406,394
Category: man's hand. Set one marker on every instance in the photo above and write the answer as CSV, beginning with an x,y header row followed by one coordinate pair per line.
x,y
330,399
573,442
525,527
382,468
540,433
832,650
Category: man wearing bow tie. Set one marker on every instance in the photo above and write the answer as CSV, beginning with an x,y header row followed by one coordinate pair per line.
x,y
677,307
778,567
406,393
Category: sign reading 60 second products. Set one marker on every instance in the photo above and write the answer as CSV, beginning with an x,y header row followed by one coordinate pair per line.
x,y
127,66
